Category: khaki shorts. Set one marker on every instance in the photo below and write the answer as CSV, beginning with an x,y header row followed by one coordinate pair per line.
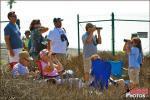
x,y
87,65
15,58
134,75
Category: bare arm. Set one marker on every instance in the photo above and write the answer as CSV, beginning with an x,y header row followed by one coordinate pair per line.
x,y
26,76
49,45
49,67
127,47
124,47
43,29
7,40
58,62
59,67
99,37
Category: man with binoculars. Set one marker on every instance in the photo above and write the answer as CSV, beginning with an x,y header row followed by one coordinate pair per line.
x,y
90,43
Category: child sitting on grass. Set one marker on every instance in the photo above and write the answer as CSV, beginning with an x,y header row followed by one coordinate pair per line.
x,y
21,68
51,70
48,68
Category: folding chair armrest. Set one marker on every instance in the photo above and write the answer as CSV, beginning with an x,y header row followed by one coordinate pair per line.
x,y
125,69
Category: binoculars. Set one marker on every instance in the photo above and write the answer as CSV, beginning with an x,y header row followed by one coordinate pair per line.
x,y
126,40
99,28
63,37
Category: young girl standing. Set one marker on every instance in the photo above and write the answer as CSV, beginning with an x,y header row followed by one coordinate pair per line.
x,y
134,64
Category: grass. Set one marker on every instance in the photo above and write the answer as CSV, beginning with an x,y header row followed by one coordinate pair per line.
x,y
30,90
19,89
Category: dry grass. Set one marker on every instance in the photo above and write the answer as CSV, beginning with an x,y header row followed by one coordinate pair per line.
x,y
18,89
14,89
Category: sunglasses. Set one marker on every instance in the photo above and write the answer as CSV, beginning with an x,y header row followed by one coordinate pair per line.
x,y
14,16
27,60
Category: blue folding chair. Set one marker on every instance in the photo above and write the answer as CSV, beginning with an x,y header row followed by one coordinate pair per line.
x,y
101,71
116,68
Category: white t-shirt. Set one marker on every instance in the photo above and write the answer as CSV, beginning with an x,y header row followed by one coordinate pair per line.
x,y
58,46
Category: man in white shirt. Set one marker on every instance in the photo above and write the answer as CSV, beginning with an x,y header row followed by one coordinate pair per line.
x,y
57,40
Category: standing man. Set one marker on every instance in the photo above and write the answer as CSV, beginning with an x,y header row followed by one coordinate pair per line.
x,y
57,40
13,39
90,43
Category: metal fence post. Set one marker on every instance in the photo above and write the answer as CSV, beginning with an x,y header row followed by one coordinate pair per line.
x,y
113,35
78,34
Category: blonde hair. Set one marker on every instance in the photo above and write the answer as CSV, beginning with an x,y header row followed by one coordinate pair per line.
x,y
95,56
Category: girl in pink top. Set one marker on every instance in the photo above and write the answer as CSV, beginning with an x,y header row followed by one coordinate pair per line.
x,y
48,67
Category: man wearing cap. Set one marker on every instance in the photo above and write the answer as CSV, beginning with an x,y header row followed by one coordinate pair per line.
x,y
13,39
90,43
21,68
57,40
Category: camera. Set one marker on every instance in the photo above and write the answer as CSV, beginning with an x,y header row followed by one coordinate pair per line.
x,y
126,40
99,28
63,37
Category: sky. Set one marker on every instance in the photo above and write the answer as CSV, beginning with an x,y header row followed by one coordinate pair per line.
x,y
88,11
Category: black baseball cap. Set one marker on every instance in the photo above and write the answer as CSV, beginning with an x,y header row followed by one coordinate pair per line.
x,y
12,13
57,19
